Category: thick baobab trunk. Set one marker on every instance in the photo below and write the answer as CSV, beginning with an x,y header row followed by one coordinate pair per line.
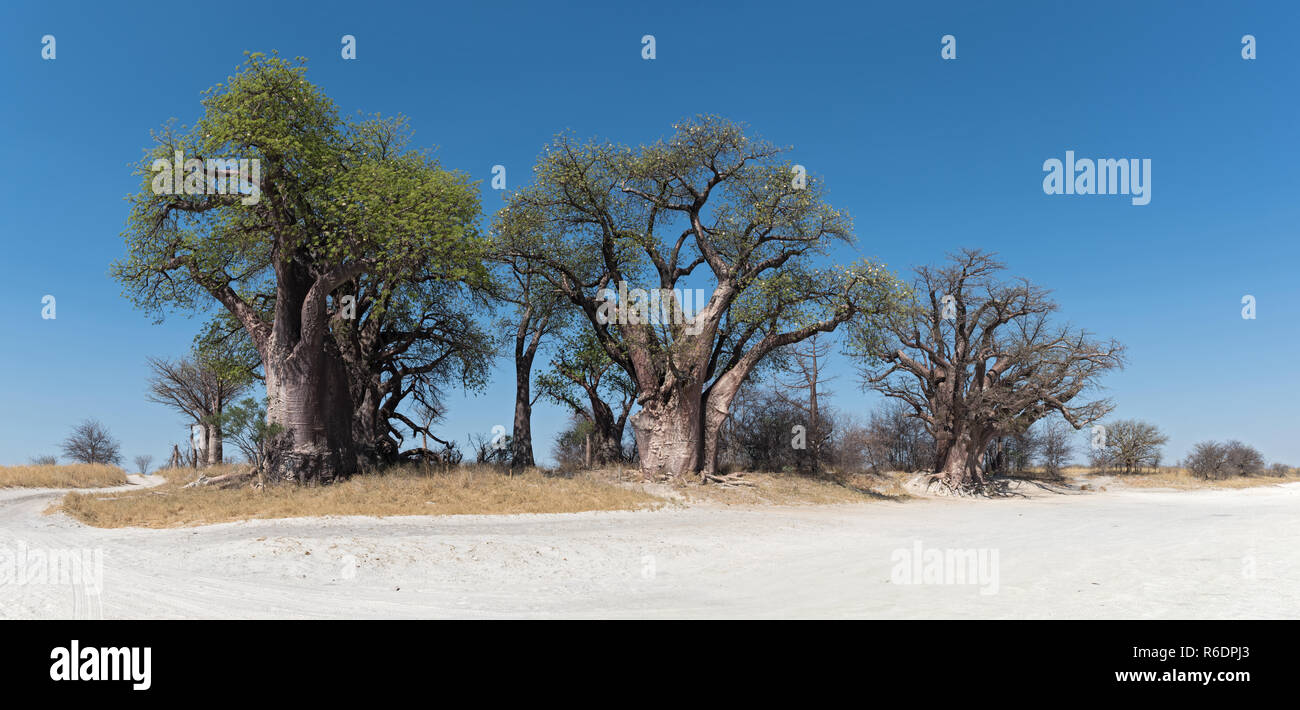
x,y
214,445
962,463
309,400
605,443
955,463
370,427
668,436
528,336
716,410
521,443
608,448
364,423
308,397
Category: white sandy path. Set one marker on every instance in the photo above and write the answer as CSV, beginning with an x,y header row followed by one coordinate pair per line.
x,y
1118,554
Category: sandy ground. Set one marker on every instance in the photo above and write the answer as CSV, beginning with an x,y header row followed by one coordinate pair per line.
x,y
1115,554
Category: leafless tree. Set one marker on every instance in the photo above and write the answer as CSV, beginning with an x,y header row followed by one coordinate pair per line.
x,y
731,451
177,459
1244,460
1206,460
1211,460
801,384
761,435
1012,454
978,358
896,440
490,449
849,446
142,464
91,442
1056,447
1132,445
198,390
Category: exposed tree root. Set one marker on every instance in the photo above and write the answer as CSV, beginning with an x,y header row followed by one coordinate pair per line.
x,y
732,480
728,480
229,480
937,484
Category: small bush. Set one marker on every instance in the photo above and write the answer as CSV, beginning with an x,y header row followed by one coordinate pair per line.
x,y
90,442
1207,460
1211,460
1243,460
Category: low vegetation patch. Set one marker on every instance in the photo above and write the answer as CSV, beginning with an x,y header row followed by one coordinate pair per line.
x,y
1183,478
465,490
800,489
1038,473
77,475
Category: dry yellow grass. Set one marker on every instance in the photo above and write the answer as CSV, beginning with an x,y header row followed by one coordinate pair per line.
x,y
1181,478
798,489
77,475
467,490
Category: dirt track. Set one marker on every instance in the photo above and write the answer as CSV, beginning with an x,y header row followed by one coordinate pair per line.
x,y
1117,554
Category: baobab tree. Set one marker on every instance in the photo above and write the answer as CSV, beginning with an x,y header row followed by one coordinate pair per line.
x,y
584,379
403,345
537,311
324,201
623,233
977,358
198,386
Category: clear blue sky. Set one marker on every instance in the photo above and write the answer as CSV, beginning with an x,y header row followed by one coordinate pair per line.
x,y
927,155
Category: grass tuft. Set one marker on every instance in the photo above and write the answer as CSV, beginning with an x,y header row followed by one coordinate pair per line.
x,y
467,490
1181,478
77,475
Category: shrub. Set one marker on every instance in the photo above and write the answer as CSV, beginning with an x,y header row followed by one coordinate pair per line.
x,y
1131,446
1206,460
898,441
1212,460
1243,460
142,464
1056,447
90,442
